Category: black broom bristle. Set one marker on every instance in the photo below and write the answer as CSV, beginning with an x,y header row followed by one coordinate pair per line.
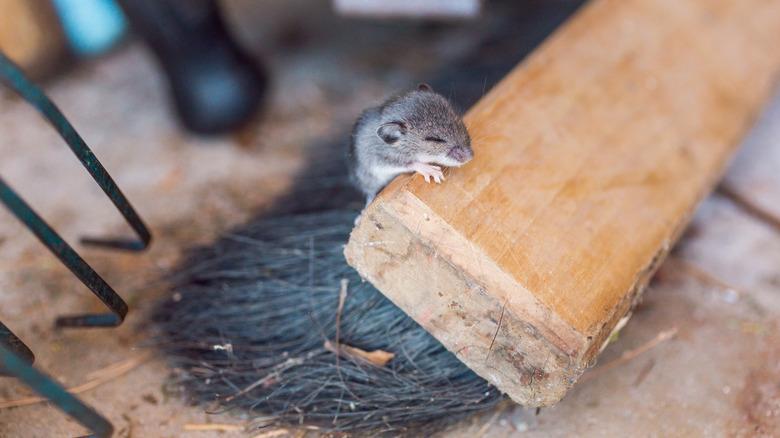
x,y
247,326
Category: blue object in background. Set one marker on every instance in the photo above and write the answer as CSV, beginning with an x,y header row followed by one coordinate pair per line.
x,y
92,26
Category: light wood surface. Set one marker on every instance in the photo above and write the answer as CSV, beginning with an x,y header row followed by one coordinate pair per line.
x,y
590,159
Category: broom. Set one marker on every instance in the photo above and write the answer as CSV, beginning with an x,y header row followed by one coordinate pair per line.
x,y
271,319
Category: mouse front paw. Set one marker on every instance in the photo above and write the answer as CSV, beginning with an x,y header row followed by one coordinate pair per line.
x,y
429,171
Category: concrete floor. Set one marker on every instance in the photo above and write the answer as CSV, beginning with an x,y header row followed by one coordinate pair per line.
x,y
720,290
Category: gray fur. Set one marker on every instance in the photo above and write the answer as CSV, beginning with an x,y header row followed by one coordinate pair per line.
x,y
389,139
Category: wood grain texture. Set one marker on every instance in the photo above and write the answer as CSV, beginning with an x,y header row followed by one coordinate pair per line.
x,y
590,158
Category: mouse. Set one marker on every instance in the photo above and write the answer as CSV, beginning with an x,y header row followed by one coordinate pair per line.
x,y
418,131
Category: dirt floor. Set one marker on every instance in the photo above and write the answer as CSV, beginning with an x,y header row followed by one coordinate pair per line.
x,y
700,357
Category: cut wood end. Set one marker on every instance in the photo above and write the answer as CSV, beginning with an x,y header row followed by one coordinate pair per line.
x,y
480,330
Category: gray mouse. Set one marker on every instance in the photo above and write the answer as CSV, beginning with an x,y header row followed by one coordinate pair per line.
x,y
415,132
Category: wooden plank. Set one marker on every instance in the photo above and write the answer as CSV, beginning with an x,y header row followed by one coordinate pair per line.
x,y
590,158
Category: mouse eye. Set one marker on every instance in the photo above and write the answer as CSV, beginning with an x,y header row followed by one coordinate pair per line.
x,y
434,139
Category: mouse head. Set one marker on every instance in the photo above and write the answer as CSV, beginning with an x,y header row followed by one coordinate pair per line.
x,y
423,124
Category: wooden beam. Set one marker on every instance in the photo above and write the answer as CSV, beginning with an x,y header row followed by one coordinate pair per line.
x,y
590,159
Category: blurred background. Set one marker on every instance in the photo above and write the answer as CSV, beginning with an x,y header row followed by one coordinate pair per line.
x,y
215,55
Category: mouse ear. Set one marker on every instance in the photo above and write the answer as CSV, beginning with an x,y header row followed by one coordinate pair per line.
x,y
391,132
424,87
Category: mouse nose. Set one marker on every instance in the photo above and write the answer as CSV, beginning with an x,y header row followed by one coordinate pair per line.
x,y
461,154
